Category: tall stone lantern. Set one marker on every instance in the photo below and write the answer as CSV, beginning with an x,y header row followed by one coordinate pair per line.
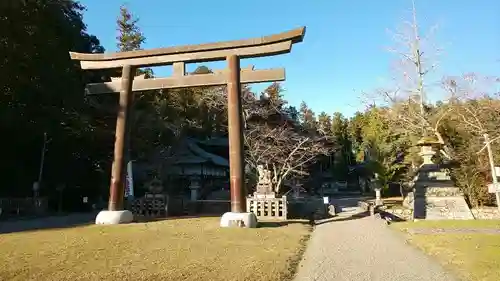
x,y
427,145
378,191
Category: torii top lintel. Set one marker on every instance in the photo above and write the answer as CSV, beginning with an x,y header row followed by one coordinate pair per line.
x,y
248,48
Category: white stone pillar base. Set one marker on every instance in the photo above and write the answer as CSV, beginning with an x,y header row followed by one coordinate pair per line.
x,y
114,217
247,220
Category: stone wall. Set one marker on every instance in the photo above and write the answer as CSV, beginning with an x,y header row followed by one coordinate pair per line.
x,y
23,207
302,208
486,213
402,213
397,214
207,207
364,205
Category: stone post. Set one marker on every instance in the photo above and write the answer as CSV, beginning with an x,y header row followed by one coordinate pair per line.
x,y
296,191
378,196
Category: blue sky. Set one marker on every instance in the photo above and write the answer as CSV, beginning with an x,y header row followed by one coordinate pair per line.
x,y
344,51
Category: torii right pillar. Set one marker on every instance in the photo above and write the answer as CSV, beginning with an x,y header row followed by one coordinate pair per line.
x,y
235,131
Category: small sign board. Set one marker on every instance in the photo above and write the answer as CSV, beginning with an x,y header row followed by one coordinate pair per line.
x,y
129,181
85,199
326,200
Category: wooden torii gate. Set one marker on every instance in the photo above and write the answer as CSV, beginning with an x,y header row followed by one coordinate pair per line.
x,y
178,56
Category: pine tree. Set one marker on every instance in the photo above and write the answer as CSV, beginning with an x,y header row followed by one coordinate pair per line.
x,y
274,92
130,37
306,117
324,123
344,157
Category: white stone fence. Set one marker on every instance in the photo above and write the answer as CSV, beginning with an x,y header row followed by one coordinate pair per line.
x,y
486,213
268,208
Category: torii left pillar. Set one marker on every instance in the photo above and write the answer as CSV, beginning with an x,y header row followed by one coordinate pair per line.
x,y
115,213
238,216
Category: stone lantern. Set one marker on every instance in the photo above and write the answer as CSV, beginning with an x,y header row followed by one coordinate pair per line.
x,y
194,186
155,186
427,151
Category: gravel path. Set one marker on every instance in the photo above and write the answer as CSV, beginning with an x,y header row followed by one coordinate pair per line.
x,y
364,249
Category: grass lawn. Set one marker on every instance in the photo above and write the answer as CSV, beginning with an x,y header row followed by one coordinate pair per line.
x,y
181,249
474,257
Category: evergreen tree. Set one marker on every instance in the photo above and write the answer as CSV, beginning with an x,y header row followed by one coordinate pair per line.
x,y
275,93
130,37
41,92
324,123
343,156
293,114
306,117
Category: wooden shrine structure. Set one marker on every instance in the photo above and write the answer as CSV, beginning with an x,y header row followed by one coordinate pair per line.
x,y
232,76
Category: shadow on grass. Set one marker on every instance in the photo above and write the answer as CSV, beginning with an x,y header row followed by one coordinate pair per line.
x,y
141,219
349,218
75,220
45,223
390,217
270,224
317,222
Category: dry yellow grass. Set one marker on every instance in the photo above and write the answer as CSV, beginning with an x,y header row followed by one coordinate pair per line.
x,y
474,257
448,224
183,249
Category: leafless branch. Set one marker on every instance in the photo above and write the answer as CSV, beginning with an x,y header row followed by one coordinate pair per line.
x,y
405,102
282,148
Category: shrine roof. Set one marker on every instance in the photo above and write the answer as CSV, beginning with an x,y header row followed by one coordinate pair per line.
x,y
191,153
215,142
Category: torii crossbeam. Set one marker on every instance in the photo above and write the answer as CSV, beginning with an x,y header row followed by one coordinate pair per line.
x,y
233,76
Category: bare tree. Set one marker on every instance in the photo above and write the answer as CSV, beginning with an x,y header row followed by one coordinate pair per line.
x,y
283,150
416,59
471,173
271,138
478,110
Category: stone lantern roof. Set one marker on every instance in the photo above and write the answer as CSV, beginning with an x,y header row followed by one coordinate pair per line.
x,y
428,141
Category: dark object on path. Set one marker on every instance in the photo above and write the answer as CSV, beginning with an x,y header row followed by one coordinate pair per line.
x,y
312,219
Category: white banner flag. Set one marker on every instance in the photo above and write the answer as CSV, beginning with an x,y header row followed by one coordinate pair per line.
x,y
129,181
